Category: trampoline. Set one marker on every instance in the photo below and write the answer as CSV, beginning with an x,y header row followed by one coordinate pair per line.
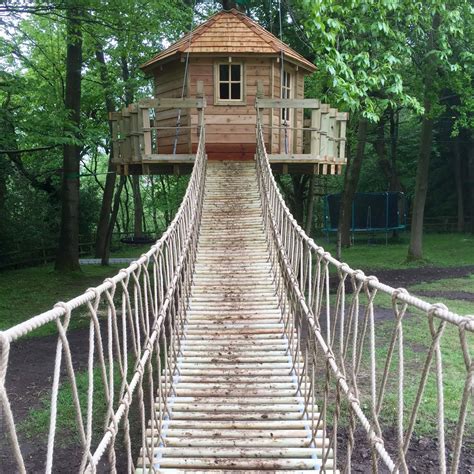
x,y
371,213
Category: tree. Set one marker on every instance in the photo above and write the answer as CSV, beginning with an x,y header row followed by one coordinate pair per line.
x,y
67,258
360,54
439,27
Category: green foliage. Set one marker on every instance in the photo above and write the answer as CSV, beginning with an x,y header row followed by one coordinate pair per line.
x,y
32,112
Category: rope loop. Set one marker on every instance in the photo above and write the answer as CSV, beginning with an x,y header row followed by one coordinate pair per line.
x,y
465,322
97,296
112,283
345,269
67,314
436,306
370,291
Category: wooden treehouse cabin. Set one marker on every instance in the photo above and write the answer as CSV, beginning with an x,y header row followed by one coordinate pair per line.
x,y
227,73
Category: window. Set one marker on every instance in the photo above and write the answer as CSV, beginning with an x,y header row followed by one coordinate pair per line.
x,y
229,82
286,94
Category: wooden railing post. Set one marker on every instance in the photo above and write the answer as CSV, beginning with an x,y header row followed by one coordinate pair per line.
x,y
134,132
315,146
126,148
144,126
342,118
323,151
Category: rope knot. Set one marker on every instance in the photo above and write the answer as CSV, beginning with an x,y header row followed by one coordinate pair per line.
x,y
63,305
376,440
112,283
67,314
345,269
358,275
397,292
95,291
436,306
326,256
146,257
466,322
354,399
113,430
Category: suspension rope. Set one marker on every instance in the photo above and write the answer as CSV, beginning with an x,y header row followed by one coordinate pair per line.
x,y
185,79
285,112
135,323
348,376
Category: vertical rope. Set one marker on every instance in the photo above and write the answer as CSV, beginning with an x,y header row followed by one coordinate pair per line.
x,y
353,381
185,79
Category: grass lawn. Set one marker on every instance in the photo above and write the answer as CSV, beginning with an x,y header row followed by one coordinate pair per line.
x,y
130,251
27,292
440,250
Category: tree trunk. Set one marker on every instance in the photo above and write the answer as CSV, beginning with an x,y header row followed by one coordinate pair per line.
x,y
138,208
135,180
351,181
67,258
459,184
126,208
386,164
310,207
113,220
106,208
470,162
299,183
396,184
415,249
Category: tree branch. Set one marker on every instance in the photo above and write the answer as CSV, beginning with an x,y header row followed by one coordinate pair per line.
x,y
28,150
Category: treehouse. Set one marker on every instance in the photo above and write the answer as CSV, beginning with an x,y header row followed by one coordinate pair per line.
x,y
228,73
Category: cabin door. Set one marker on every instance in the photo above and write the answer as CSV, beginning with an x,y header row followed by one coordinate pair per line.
x,y
287,115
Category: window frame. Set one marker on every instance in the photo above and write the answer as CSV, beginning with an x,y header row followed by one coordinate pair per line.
x,y
217,83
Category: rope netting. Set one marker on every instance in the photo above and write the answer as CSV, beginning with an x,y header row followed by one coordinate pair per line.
x,y
350,337
135,321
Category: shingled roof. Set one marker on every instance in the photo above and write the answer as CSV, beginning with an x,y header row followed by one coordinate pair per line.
x,y
229,32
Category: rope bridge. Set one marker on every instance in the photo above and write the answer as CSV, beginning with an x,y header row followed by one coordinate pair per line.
x,y
237,343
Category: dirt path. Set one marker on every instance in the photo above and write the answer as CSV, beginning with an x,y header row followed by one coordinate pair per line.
x,y
411,276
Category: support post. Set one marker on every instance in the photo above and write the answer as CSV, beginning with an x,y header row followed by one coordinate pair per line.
x,y
323,150
316,132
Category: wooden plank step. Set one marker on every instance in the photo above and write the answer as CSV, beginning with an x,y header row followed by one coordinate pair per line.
x,y
235,416
237,435
237,380
234,386
224,406
250,392
232,399
232,452
237,463
219,441
228,470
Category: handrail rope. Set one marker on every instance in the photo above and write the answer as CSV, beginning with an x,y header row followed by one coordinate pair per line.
x,y
143,302
282,233
467,323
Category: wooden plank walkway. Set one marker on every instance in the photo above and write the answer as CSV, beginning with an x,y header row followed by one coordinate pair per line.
x,y
236,405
